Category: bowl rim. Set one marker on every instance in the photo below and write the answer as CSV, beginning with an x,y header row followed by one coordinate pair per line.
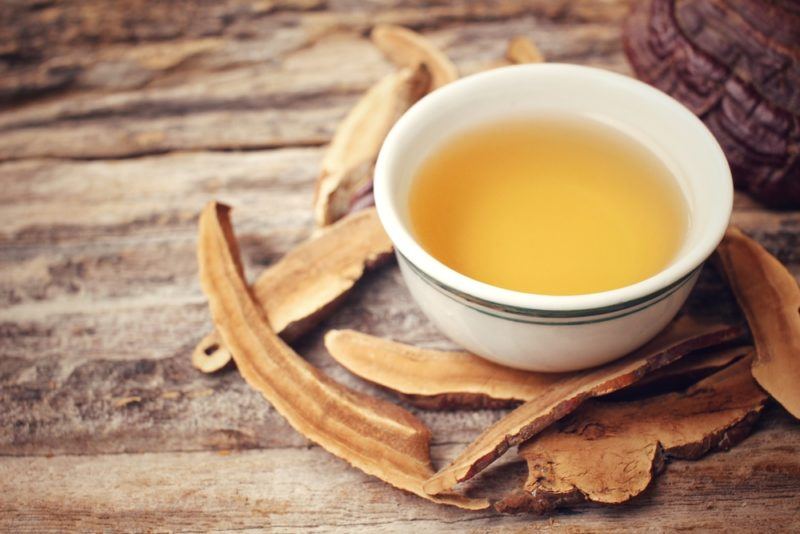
x,y
533,303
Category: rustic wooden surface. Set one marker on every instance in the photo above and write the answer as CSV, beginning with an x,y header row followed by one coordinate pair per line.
x,y
116,125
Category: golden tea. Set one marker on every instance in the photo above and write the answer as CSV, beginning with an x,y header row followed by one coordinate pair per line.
x,y
549,205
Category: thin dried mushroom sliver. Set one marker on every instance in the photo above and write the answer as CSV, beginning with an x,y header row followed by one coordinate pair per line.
x,y
567,392
306,284
407,48
522,50
703,362
350,157
373,435
770,299
686,371
451,380
609,452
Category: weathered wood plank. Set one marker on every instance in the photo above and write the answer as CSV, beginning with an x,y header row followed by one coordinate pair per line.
x,y
99,304
275,488
290,98
46,202
49,47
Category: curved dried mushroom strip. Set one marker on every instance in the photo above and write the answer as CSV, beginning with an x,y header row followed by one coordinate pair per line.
x,y
522,50
609,452
680,338
770,298
350,157
407,48
435,379
306,284
375,436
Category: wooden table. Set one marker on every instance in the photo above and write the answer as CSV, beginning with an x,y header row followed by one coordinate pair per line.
x,y
117,124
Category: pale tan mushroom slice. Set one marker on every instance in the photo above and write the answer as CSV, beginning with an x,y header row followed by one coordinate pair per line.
x,y
770,298
519,51
522,50
349,159
434,379
407,48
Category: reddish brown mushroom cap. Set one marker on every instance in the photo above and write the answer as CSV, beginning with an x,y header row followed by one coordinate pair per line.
x,y
736,64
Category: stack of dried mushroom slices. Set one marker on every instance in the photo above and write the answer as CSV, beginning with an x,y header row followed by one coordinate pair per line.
x,y
554,415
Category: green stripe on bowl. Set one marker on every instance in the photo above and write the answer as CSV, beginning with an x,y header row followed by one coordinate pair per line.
x,y
529,315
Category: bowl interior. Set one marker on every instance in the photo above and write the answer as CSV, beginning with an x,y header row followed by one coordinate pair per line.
x,y
651,117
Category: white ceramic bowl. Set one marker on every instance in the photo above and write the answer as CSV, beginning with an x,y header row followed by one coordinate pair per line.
x,y
543,332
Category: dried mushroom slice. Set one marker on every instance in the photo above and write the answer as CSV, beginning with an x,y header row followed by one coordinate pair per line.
x,y
519,50
407,48
435,379
373,435
770,298
350,157
295,296
609,452
522,50
680,338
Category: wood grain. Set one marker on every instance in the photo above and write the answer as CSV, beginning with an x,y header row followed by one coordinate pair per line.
x,y
116,126
276,488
